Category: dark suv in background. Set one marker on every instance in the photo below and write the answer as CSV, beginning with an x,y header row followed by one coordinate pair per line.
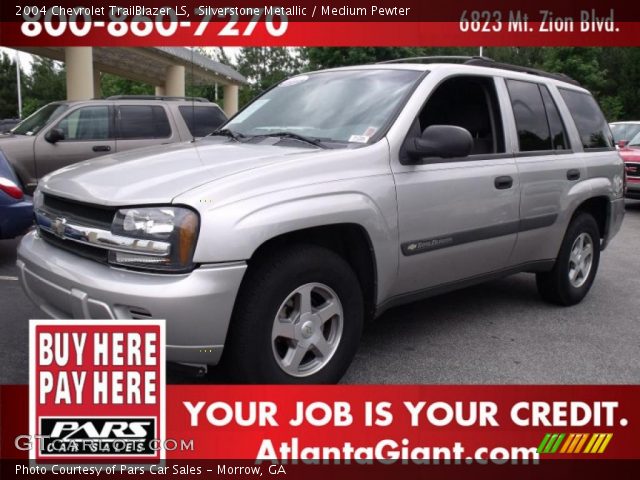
x,y
63,133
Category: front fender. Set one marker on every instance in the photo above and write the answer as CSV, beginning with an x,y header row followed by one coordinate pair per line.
x,y
236,231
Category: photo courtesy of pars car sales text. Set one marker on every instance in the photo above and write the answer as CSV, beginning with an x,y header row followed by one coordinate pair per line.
x,y
311,240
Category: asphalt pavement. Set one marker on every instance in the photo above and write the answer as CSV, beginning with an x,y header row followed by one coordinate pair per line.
x,y
496,333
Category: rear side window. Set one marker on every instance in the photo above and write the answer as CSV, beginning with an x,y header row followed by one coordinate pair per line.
x,y
530,115
592,127
142,121
201,121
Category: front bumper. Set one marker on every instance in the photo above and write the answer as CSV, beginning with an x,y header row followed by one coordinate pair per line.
x,y
633,188
196,306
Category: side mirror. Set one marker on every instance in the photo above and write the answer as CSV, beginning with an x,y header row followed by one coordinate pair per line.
x,y
54,135
443,141
623,143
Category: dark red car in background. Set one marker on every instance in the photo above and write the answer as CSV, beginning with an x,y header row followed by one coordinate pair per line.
x,y
630,153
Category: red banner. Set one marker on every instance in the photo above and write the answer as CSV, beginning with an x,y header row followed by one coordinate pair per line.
x,y
383,424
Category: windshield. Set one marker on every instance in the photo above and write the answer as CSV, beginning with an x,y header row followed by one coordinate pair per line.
x,y
34,123
349,106
624,131
635,141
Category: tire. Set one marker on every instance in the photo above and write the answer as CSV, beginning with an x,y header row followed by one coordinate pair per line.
x,y
268,335
569,281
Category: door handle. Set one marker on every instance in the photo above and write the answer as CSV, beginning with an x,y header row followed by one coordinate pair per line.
x,y
101,148
573,174
503,183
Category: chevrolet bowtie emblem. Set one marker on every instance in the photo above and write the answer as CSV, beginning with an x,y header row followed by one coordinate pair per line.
x,y
59,226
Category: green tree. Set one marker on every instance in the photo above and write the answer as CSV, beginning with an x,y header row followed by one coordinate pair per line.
x,y
623,88
46,84
265,66
8,90
330,57
115,85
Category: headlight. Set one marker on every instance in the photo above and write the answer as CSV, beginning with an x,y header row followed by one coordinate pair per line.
x,y
38,199
177,226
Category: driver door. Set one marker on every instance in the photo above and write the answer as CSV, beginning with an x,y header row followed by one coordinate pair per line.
x,y
88,133
458,218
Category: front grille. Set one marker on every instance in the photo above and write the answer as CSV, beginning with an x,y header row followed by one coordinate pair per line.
x,y
633,169
87,251
83,213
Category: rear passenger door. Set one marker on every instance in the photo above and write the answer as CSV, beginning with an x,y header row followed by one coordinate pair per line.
x,y
458,217
140,126
547,166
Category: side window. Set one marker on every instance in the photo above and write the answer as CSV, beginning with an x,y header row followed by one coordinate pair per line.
x,y
592,127
142,121
468,102
86,123
201,121
559,139
530,115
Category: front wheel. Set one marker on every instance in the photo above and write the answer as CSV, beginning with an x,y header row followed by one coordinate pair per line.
x,y
298,319
576,266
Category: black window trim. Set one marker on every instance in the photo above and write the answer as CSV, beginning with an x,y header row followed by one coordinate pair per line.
x,y
542,153
478,157
564,126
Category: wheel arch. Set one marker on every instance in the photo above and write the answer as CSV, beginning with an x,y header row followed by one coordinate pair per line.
x,y
599,207
351,241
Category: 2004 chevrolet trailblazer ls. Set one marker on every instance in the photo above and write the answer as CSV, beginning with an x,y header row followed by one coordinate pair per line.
x,y
329,198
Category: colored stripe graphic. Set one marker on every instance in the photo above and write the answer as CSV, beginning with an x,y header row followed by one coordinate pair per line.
x,y
555,447
572,443
605,443
543,443
570,440
581,443
592,440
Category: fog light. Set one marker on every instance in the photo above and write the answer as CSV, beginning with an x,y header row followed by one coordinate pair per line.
x,y
128,258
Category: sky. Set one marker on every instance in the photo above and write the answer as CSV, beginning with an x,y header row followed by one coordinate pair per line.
x,y
26,59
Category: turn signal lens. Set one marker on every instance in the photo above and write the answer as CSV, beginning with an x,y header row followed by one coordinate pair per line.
x,y
11,189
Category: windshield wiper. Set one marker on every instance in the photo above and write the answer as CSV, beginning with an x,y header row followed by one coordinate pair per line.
x,y
225,132
295,136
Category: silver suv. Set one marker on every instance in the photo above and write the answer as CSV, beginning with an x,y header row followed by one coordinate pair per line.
x,y
63,133
327,200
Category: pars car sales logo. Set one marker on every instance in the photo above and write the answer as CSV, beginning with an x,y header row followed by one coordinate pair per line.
x,y
97,389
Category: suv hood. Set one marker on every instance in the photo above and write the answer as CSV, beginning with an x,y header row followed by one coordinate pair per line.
x,y
159,174
630,154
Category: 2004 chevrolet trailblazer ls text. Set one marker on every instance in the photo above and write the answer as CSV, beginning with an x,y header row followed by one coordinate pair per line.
x,y
331,197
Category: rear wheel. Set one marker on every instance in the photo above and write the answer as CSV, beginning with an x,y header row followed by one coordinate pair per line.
x,y
298,319
576,266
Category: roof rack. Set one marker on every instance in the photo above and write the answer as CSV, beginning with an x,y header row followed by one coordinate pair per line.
x,y
484,62
433,59
156,97
490,63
